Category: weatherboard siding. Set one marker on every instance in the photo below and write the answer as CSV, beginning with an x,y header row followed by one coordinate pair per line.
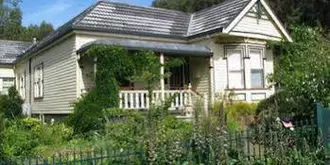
x,y
19,70
59,63
7,72
200,74
250,24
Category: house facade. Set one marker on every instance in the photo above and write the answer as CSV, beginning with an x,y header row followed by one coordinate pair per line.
x,y
9,50
225,47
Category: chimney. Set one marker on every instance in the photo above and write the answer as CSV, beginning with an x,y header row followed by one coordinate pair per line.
x,y
34,41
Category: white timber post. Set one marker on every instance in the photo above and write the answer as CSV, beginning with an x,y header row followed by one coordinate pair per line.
x,y
212,82
95,67
162,74
190,95
206,104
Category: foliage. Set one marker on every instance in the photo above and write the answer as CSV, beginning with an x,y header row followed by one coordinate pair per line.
x,y
185,5
87,114
237,115
36,31
114,66
286,105
28,137
306,12
303,67
160,138
11,104
11,23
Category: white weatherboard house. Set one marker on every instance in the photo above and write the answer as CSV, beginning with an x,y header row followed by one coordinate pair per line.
x,y
9,50
225,48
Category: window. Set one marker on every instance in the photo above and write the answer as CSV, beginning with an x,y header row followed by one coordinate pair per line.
x,y
7,83
38,81
257,68
235,68
22,84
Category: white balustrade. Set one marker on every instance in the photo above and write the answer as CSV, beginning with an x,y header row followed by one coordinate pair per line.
x,y
138,99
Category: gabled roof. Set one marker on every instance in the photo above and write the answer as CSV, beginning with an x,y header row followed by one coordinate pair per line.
x,y
216,17
9,50
124,18
121,18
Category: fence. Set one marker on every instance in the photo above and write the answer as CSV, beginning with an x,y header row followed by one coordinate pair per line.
x,y
209,149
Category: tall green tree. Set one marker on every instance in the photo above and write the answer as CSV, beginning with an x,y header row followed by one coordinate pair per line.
x,y
303,66
307,12
13,26
11,23
4,13
35,31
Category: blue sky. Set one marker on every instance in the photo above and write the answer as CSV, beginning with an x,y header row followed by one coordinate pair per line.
x,y
58,12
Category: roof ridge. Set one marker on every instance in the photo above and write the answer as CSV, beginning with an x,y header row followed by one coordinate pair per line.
x,y
190,23
146,7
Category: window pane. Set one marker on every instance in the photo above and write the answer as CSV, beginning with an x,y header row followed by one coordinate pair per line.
x,y
7,83
257,78
256,59
236,80
234,60
235,69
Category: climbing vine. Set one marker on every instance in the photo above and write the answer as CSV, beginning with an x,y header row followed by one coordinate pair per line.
x,y
114,65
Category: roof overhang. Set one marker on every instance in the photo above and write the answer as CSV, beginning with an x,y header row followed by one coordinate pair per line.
x,y
160,47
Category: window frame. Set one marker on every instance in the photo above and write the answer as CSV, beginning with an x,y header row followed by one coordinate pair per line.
x,y
242,49
4,79
37,94
22,85
263,58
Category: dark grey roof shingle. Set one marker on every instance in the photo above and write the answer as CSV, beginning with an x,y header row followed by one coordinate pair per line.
x,y
133,19
216,17
107,16
9,50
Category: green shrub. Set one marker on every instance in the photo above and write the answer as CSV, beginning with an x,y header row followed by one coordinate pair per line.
x,y
11,104
20,137
286,105
238,115
87,115
29,137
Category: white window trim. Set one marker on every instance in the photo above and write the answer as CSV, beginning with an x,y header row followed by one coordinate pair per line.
x,y
22,85
241,48
5,88
262,51
38,86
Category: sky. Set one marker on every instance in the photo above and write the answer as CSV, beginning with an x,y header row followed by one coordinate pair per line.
x,y
59,12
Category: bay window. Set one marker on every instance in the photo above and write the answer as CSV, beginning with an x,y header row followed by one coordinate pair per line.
x,y
38,81
235,66
245,67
